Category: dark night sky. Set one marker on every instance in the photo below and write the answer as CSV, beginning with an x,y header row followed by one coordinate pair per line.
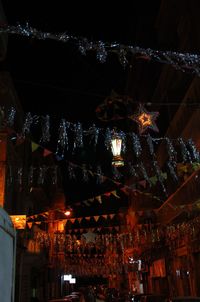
x,y
53,77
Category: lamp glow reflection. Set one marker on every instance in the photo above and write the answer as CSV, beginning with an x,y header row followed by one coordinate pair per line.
x,y
116,146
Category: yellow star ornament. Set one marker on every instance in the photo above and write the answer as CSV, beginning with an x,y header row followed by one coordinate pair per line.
x,y
145,119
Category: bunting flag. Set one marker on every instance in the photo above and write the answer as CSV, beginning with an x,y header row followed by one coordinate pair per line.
x,y
115,194
99,199
34,146
30,224
46,152
111,216
96,218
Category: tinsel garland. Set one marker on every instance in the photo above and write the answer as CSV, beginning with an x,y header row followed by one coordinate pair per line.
x,y
185,62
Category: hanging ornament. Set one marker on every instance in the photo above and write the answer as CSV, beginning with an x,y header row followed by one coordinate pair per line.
x,y
116,145
145,119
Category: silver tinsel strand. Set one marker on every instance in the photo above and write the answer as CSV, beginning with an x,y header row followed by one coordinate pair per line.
x,y
131,170
45,123
27,124
185,62
159,176
71,172
122,135
55,175
185,153
19,176
193,151
108,138
41,176
101,52
172,171
78,133
145,175
171,151
31,176
116,174
63,142
100,177
2,117
137,148
150,144
85,174
11,117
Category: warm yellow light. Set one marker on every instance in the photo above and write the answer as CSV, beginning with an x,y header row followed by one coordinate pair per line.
x,y
116,145
67,213
145,119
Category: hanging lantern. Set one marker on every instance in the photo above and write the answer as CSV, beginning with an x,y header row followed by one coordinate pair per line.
x,y
116,146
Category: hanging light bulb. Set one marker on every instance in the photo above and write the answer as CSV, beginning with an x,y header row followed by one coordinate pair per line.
x,y
116,146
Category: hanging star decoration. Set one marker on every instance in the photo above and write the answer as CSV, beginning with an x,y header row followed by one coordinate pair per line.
x,y
145,119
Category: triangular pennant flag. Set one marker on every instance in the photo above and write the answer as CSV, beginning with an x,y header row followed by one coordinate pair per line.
x,y
116,228
105,216
125,190
111,216
46,152
87,218
38,222
107,194
29,224
96,218
72,220
34,146
115,194
86,203
79,219
99,198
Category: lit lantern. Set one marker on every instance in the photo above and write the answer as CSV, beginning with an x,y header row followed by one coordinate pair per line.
x,y
116,146
67,213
